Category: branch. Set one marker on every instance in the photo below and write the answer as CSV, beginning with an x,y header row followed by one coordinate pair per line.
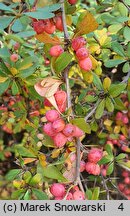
x,y
123,195
106,188
126,77
78,143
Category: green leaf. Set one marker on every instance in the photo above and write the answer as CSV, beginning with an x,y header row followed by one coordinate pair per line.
x,y
120,156
105,159
110,169
109,104
113,62
118,48
90,99
4,52
119,105
122,9
14,37
25,64
115,28
89,194
62,61
48,142
96,192
18,193
126,33
27,72
53,173
4,86
27,195
126,67
40,195
17,26
15,89
81,123
24,151
117,89
125,165
5,21
6,8
100,109
97,82
109,150
12,174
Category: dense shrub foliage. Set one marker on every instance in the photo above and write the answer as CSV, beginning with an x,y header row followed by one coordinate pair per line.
x,y
65,99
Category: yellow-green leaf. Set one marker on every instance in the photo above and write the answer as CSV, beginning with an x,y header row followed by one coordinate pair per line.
x,y
106,83
100,109
109,104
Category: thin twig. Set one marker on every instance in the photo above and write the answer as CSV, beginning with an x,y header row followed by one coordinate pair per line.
x,y
123,195
91,113
78,143
106,188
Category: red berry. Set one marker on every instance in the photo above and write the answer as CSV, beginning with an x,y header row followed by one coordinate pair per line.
x,y
68,130
52,115
47,128
14,57
95,155
16,46
72,1
82,53
85,64
59,140
58,125
39,27
47,103
56,50
78,195
82,166
62,107
58,23
60,97
92,168
57,190
122,137
78,132
78,42
125,174
49,26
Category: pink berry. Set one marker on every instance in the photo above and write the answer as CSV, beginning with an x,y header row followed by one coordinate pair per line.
x,y
72,1
16,46
121,186
68,130
85,64
125,119
58,125
78,195
125,174
122,137
52,115
69,196
72,157
62,107
49,26
78,42
57,190
82,166
14,57
47,128
56,50
78,132
59,140
95,155
82,53
119,116
127,180
92,168
58,198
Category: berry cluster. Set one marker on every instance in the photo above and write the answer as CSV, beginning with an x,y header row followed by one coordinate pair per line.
x,y
122,118
92,166
124,186
56,127
58,190
82,54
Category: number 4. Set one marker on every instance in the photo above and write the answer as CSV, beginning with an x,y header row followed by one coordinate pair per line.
x,y
121,207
